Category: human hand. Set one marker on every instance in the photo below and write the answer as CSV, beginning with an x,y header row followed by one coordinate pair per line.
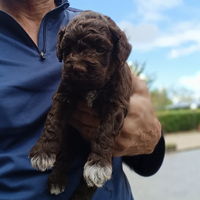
x,y
141,130
85,119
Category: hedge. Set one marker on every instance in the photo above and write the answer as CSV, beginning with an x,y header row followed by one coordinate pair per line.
x,y
179,120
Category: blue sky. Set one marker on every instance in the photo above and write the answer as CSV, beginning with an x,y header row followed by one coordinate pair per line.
x,y
164,34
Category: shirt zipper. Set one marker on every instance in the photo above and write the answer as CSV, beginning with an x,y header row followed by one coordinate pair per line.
x,y
43,52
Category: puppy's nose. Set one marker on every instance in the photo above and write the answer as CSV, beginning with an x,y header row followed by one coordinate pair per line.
x,y
79,70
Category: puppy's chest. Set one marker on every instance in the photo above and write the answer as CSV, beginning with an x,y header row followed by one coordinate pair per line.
x,y
90,97
97,97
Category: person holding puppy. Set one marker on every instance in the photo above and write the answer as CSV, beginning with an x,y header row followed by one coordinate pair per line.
x,y
29,75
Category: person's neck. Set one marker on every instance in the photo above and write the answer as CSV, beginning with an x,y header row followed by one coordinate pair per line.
x,y
31,9
28,13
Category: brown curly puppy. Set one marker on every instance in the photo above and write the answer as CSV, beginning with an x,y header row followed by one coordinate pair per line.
x,y
94,51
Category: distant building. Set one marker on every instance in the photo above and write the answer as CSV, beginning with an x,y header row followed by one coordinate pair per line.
x,y
184,105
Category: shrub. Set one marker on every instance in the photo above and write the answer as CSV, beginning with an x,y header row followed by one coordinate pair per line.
x,y
170,147
179,120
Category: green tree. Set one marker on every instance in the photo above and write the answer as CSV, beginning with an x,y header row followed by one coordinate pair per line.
x,y
182,94
160,99
139,71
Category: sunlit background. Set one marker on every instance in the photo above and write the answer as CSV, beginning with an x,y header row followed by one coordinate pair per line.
x,y
165,38
164,34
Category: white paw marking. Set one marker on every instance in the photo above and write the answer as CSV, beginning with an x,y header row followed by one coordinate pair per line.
x,y
56,190
91,96
43,162
96,175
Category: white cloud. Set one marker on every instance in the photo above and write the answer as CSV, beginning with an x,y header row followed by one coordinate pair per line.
x,y
192,82
179,38
184,51
183,39
151,9
142,36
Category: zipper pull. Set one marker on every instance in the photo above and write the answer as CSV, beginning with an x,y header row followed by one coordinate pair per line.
x,y
42,55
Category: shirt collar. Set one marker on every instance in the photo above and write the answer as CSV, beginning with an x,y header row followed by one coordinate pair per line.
x,y
59,2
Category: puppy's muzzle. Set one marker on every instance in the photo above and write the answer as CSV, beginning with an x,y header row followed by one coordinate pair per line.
x,y
79,70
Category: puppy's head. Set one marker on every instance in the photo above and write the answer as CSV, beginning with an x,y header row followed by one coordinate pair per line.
x,y
92,48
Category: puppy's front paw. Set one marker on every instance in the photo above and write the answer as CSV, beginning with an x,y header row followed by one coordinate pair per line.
x,y
43,161
96,175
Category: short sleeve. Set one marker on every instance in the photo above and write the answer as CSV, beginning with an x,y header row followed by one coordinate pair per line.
x,y
147,164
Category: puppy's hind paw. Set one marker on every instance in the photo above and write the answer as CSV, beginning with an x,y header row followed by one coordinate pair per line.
x,y
96,175
43,161
55,189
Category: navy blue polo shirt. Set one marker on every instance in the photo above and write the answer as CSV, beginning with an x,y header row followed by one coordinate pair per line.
x,y
29,76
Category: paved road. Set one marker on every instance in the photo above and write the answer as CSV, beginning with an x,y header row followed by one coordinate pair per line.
x,y
178,179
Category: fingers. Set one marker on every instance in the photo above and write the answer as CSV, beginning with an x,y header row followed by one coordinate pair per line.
x,y
87,132
82,106
85,120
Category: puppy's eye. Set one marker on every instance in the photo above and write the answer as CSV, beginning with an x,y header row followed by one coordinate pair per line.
x,y
100,50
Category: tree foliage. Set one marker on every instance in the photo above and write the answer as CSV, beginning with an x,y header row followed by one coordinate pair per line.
x,y
139,71
181,94
160,99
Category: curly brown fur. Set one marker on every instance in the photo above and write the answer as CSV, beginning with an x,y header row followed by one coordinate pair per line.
x,y
94,51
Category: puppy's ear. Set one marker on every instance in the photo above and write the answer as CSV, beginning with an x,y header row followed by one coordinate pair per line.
x,y
122,48
59,52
